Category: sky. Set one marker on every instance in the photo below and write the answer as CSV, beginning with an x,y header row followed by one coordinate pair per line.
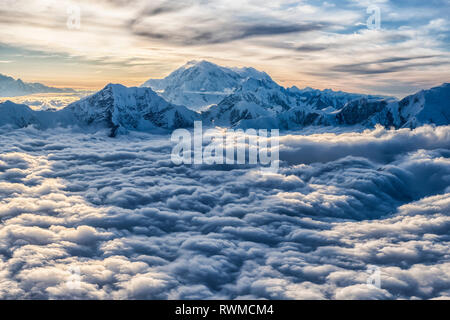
x,y
321,44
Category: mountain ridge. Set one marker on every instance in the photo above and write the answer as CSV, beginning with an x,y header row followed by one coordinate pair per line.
x,y
10,87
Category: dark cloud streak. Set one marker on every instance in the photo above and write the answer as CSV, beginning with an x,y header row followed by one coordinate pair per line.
x,y
217,32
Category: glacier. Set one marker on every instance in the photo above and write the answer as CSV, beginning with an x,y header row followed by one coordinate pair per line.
x,y
199,84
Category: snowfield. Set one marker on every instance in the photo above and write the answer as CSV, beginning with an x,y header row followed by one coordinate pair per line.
x,y
117,215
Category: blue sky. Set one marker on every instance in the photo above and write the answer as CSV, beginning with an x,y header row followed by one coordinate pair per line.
x,y
322,44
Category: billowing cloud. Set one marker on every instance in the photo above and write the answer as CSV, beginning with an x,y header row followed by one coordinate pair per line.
x,y
86,216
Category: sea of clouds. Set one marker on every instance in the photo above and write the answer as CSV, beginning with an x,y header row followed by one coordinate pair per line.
x,y
45,101
135,226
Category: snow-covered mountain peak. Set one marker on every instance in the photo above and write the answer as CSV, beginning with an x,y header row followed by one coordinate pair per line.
x,y
199,84
129,95
121,108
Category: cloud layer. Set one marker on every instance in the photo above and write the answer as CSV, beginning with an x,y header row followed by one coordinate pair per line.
x,y
117,215
45,101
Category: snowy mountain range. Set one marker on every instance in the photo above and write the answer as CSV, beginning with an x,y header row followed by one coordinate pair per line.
x,y
9,87
246,98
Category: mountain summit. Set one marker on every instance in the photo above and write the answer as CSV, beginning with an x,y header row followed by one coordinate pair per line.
x,y
199,84
121,108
